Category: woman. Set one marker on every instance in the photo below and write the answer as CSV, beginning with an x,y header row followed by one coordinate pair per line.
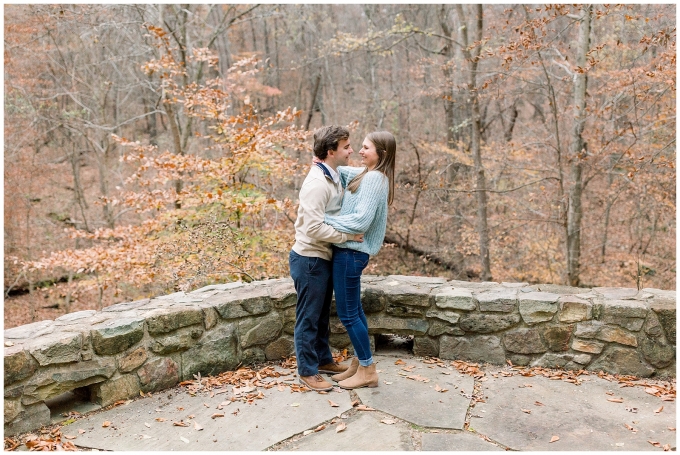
x,y
364,209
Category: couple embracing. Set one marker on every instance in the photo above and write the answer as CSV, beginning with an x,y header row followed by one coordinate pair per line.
x,y
341,223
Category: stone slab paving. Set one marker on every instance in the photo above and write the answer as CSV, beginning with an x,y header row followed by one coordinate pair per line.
x,y
456,442
278,416
581,416
364,432
417,401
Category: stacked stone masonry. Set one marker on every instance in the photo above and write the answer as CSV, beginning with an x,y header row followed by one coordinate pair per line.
x,y
153,344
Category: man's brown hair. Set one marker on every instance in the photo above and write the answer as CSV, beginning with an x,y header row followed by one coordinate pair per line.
x,y
327,138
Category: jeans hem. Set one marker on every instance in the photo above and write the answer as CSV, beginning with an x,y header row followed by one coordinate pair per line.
x,y
365,363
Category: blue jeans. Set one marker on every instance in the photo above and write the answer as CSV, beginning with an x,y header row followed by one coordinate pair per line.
x,y
347,268
313,280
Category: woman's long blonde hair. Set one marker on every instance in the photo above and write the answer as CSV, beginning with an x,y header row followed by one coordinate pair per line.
x,y
386,147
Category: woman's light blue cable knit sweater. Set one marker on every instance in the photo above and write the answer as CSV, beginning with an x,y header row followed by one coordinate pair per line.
x,y
363,211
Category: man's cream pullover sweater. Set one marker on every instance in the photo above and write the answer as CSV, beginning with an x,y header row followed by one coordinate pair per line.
x,y
319,196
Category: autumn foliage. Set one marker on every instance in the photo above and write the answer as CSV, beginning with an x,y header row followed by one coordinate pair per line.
x,y
223,222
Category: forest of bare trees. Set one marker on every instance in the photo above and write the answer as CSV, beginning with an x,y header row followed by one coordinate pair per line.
x,y
156,148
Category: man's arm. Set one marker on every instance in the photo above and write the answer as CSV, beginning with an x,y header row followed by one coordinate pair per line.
x,y
314,197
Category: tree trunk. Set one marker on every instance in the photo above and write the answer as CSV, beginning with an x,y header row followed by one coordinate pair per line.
x,y
575,211
475,144
315,92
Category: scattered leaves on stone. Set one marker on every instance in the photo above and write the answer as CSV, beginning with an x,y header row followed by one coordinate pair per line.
x,y
47,442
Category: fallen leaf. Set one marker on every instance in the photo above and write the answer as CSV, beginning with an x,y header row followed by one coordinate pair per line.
x,y
630,409
526,410
295,405
160,419
388,421
387,382
184,439
306,432
341,427
68,436
434,431
180,424
671,428
147,425
216,415
609,393
106,424
615,400
355,403
206,405
180,408
81,431
322,392
654,443
197,427
658,410
334,405
554,438
9,344
652,391
666,447
191,416
319,428
400,362
439,389
538,403
363,407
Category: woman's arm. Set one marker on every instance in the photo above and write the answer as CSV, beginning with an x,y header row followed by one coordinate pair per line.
x,y
347,173
373,191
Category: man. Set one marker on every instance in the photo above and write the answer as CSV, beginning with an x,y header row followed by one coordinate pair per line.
x,y
310,259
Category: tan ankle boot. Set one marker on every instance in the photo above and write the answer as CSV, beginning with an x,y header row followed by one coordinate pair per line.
x,y
349,372
364,377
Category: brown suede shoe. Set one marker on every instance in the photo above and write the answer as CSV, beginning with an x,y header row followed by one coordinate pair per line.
x,y
333,368
353,366
364,377
316,383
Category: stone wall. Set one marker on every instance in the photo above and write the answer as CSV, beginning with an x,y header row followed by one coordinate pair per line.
x,y
152,344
